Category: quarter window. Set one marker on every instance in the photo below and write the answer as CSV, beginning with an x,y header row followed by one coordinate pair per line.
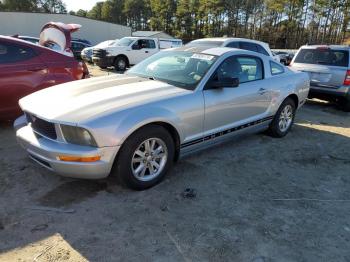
x,y
233,44
249,46
276,68
10,53
245,68
262,50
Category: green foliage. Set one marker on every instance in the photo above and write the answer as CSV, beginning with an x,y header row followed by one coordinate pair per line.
x,y
47,6
81,12
281,23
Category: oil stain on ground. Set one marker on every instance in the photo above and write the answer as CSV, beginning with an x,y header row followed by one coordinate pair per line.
x,y
72,192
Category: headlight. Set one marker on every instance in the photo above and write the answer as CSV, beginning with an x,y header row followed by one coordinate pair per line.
x,y
77,135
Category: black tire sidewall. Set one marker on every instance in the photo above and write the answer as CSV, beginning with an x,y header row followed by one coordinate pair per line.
x,y
123,161
116,66
274,126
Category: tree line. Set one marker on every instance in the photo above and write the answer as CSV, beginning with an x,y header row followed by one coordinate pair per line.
x,y
281,23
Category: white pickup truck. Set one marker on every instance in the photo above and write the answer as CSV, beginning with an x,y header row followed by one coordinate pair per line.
x,y
130,51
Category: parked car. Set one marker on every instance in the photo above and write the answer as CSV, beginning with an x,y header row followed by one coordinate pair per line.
x,y
86,53
26,68
76,46
34,40
329,69
81,40
137,124
130,51
234,42
285,57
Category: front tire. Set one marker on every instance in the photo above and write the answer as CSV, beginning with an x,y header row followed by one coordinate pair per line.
x,y
284,119
120,64
145,158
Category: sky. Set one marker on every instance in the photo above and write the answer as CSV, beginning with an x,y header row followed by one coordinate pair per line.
x,y
75,5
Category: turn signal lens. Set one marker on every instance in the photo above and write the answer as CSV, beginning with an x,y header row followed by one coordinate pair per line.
x,y
79,159
347,78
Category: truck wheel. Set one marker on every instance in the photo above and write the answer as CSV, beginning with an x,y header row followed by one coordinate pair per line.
x,y
120,64
145,158
283,120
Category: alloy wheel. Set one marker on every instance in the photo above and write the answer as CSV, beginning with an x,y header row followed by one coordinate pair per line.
x,y
149,159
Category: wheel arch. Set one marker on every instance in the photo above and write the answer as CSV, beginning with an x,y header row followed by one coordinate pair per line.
x,y
173,131
123,56
295,99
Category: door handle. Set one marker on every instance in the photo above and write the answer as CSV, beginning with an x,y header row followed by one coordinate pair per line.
x,y
146,51
262,91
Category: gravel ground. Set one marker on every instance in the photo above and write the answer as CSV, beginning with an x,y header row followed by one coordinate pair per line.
x,y
256,199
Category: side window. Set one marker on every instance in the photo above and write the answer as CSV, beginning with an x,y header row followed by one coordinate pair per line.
x,y
262,50
276,68
10,53
248,46
245,68
233,45
146,43
151,44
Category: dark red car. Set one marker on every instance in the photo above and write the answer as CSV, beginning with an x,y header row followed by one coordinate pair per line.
x,y
26,68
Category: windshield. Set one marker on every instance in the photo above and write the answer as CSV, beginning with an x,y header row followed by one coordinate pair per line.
x,y
125,41
323,56
178,68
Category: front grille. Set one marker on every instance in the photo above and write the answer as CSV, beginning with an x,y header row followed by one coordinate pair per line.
x,y
42,127
100,53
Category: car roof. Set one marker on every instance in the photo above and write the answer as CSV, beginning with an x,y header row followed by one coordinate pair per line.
x,y
11,38
216,51
342,47
228,39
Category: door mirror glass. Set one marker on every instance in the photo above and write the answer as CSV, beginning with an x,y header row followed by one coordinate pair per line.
x,y
225,82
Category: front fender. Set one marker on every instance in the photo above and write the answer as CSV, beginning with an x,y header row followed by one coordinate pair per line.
x,y
114,129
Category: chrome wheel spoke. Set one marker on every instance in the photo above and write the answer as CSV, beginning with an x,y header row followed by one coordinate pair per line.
x,y
143,171
139,153
137,160
155,164
149,159
140,168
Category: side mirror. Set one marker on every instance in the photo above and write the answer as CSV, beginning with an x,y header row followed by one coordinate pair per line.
x,y
225,82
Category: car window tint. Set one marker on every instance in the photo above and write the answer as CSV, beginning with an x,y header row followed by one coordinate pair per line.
x,y
249,46
245,68
276,68
151,44
10,53
323,56
262,50
233,45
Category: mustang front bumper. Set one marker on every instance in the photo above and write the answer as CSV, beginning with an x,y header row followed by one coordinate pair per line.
x,y
46,152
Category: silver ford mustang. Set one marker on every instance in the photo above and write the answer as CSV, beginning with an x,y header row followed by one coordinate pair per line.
x,y
175,102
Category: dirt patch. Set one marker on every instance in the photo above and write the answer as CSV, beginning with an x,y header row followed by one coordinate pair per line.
x,y
252,199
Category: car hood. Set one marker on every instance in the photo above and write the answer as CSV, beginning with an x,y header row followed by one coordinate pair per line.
x,y
83,100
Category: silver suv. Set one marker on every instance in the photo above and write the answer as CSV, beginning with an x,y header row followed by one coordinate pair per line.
x,y
329,71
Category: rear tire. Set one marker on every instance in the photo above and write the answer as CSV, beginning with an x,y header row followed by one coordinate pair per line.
x,y
345,105
283,120
120,64
103,67
145,158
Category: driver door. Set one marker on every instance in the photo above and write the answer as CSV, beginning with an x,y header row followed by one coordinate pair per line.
x,y
233,106
142,49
